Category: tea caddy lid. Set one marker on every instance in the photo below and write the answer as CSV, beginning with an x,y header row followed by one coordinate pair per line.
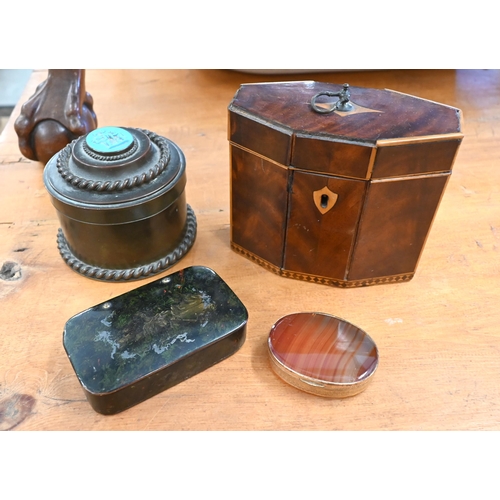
x,y
357,114
116,168
343,130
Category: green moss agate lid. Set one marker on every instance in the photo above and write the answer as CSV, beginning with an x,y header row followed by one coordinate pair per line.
x,y
138,344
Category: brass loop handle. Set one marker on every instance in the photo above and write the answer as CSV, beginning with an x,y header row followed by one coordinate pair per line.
x,y
343,104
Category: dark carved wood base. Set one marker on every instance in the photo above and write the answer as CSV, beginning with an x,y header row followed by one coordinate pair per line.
x,y
60,111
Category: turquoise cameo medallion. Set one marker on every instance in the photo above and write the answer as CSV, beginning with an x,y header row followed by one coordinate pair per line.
x,y
106,140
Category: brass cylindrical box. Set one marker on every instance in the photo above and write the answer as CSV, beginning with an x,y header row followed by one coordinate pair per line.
x,y
120,199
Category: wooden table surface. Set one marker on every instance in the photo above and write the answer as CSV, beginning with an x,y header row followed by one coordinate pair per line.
x,y
438,335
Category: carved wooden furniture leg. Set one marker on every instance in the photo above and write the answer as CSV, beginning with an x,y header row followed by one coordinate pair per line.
x,y
59,112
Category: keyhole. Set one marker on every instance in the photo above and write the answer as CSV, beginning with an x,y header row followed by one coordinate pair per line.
x,y
324,201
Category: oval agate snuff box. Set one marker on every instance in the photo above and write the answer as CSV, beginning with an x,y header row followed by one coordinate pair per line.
x,y
322,354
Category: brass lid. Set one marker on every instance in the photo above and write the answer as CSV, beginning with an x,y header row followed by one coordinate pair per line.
x,y
322,354
115,175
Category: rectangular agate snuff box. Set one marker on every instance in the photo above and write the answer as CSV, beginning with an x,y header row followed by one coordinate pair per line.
x,y
145,341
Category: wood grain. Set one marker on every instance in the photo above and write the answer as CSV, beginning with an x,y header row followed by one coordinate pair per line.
x,y
288,106
437,335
